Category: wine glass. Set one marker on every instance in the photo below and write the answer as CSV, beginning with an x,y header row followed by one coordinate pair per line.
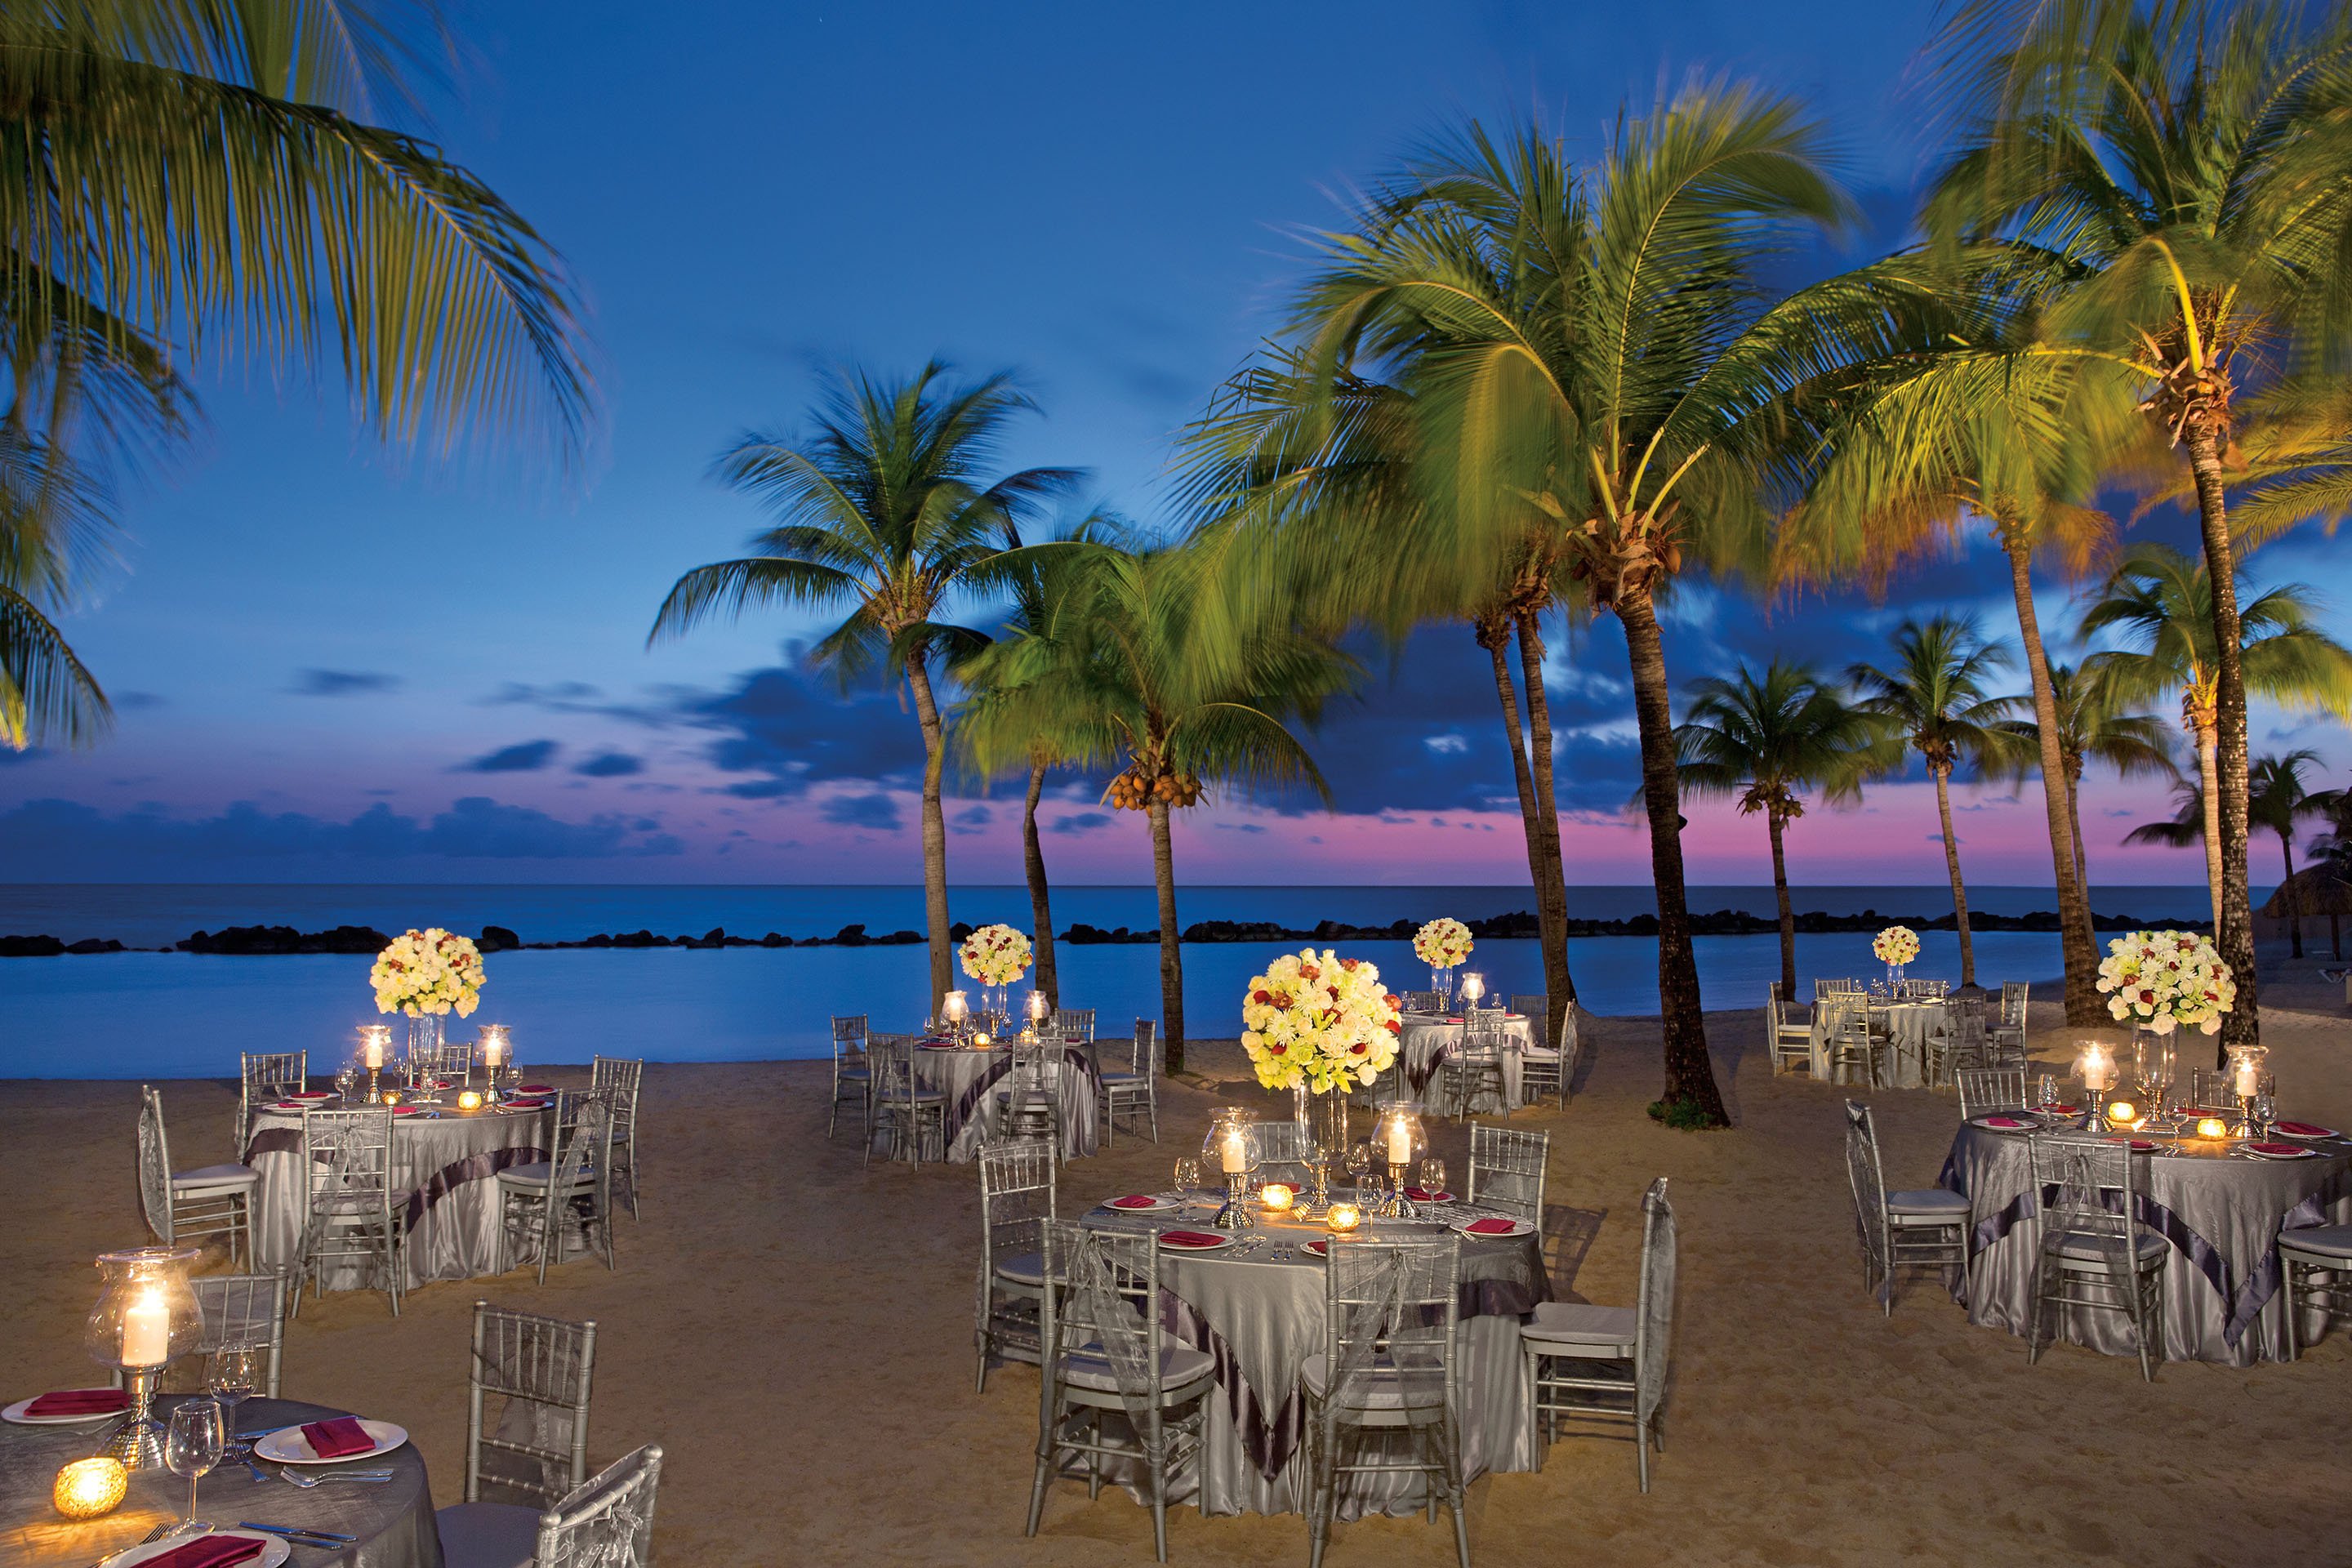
x,y
235,1375
1432,1176
2265,1111
192,1447
1188,1173
1359,1160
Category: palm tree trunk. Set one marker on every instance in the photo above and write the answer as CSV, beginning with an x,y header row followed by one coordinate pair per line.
x,y
2208,770
1952,864
2293,898
2074,825
2075,942
1690,1075
1788,916
1172,947
1041,910
1551,880
2234,931
1551,936
935,829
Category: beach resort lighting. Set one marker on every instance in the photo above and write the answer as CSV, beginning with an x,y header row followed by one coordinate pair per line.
x,y
1474,986
146,1317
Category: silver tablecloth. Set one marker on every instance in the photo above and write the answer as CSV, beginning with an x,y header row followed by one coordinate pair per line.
x,y
447,1166
1262,1319
2222,1216
1909,1027
1425,1039
394,1522
971,1081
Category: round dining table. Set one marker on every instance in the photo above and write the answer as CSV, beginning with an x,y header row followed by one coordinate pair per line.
x,y
2220,1206
1425,1040
969,1077
392,1524
444,1168
1258,1308
1909,1027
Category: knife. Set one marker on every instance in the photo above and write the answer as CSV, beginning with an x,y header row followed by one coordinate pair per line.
x,y
300,1535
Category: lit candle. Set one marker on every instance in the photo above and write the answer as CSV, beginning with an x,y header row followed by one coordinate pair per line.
x,y
2247,1078
375,1050
2122,1112
1235,1152
1400,1142
1343,1217
2212,1127
147,1331
1474,986
494,1049
2095,1069
88,1487
1036,1006
979,1040
468,1101
1276,1195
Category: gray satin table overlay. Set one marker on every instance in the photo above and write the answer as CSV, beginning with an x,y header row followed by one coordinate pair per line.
x,y
1261,1319
1426,1039
1909,1027
970,1081
394,1522
447,1166
2222,1299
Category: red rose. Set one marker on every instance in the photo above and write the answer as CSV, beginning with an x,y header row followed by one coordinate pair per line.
x,y
1396,1027
1359,1048
1261,998
1348,964
1276,1049
1392,999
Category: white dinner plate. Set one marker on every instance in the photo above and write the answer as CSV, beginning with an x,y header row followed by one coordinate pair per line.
x,y
15,1414
274,1549
1519,1228
286,1445
2266,1154
2307,1137
1154,1206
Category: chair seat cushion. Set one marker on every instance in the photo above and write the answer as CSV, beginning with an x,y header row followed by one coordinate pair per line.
x,y
1579,1323
1928,1201
854,1072
488,1535
1111,1078
2091,1246
1381,1391
2327,1240
921,1097
215,1176
539,1173
1538,1054
1179,1365
1023,1269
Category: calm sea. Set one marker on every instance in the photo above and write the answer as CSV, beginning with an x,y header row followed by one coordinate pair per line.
x,y
184,1015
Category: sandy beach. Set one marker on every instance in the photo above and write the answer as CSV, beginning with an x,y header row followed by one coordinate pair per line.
x,y
795,1329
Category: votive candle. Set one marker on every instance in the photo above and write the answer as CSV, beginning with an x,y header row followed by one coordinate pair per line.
x,y
147,1331
1233,1154
1276,1195
88,1487
1343,1217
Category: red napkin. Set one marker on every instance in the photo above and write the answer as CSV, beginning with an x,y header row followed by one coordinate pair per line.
x,y
1133,1201
81,1402
339,1438
313,1094
2303,1129
404,1110
2005,1121
2062,1109
526,1105
1455,1019
210,1552
1320,1248
1490,1228
1424,1195
1190,1238
2139,1144
534,1088
2278,1149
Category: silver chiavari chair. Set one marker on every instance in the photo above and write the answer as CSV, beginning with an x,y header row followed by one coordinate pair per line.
x,y
1114,1387
852,1082
1422,1001
907,1117
1134,1087
1923,990
1074,1023
1282,1150
1791,1038
350,1217
1018,1194
1544,1063
1608,1364
2094,1252
1029,1105
539,1203
1474,1071
1826,989
533,1451
242,1312
2008,1036
265,1076
191,1205
1986,1090
608,1522
453,1060
2315,1266
1507,1169
1916,1228
1854,1042
620,1078
1384,1398
1968,1046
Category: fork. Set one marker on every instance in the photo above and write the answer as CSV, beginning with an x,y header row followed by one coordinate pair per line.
x,y
294,1479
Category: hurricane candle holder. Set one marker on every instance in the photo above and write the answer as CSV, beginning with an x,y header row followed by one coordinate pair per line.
x,y
147,1317
2246,1082
1398,1141
375,1039
1232,1150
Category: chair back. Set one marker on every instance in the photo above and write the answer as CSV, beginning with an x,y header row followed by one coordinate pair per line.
x,y
849,1029
2087,1187
1147,1048
1285,1144
1924,990
266,1075
619,1078
1018,1194
348,1154
1535,1007
890,1059
1037,1068
1507,1169
1421,1002
449,1060
1990,1089
1836,988
1483,1033
154,1164
1869,1184
2211,1088
608,1522
1653,1319
2013,995
535,1450
1097,1285
242,1312
1389,1308
1074,1023
584,1130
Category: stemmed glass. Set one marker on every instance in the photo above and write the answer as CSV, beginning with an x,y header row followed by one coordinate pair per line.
x,y
192,1447
1188,1173
235,1374
1359,1160
1432,1176
2266,1110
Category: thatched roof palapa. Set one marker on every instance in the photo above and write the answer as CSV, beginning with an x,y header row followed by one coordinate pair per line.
x,y
2314,890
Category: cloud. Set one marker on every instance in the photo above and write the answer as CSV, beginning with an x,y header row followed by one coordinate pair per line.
x,y
796,728
610,765
342,683
1080,822
876,811
134,701
970,820
527,757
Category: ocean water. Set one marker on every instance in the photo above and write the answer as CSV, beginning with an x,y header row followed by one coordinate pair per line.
x,y
186,1015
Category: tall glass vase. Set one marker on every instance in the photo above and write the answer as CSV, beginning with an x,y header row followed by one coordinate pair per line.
x,y
1442,981
423,1048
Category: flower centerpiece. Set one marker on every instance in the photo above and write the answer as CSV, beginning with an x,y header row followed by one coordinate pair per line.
x,y
2166,980
996,956
1896,947
1443,944
427,974
1319,1024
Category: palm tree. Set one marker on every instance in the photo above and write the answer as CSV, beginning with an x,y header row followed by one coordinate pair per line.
x,y
2161,599
1763,743
2188,164
1172,667
1934,701
1598,393
2277,800
222,182
885,507
2093,725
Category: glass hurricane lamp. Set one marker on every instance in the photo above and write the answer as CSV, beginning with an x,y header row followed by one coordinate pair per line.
x,y
146,1317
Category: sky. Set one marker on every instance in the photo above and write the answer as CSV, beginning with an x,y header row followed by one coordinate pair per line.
x,y
333,662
